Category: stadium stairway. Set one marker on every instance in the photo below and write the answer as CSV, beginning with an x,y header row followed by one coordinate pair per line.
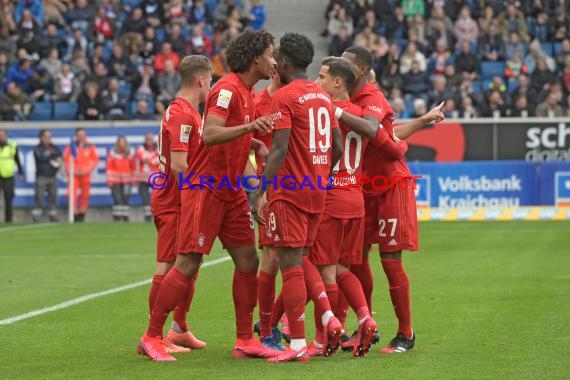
x,y
306,17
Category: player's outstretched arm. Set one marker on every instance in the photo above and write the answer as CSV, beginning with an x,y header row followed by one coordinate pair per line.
x,y
337,146
279,148
403,131
215,132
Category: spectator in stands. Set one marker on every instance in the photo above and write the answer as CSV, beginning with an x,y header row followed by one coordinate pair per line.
x,y
223,9
80,67
9,161
150,43
120,177
417,33
48,160
412,54
200,14
465,27
3,65
120,66
512,21
564,52
168,83
399,107
234,19
439,91
146,163
369,19
437,15
390,78
486,18
52,64
466,62
100,75
135,24
541,76
165,54
7,42
566,74
176,12
524,88
416,83
450,109
521,107
53,10
21,72
359,10
340,42
340,18
551,106
200,43
440,58
491,45
497,84
494,106
383,66
420,108
513,44
142,112
102,26
90,104
66,87
176,41
145,85
413,7
396,24
15,105
441,32
114,103
153,11
81,16
27,22
32,7
515,65
540,28
76,42
468,109
257,15
41,85
560,26
535,54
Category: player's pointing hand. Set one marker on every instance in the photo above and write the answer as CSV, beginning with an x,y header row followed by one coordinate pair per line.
x,y
435,115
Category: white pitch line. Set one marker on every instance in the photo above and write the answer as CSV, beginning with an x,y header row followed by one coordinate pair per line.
x,y
88,297
27,226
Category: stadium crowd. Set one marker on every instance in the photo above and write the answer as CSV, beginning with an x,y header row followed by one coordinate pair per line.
x,y
486,58
110,59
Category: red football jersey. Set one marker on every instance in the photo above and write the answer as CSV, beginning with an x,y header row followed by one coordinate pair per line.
x,y
375,163
345,199
178,133
262,108
231,99
305,108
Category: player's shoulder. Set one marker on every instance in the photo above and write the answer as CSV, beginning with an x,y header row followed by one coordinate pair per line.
x,y
349,107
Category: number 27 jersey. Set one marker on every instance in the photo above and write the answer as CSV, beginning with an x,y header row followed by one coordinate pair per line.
x,y
305,108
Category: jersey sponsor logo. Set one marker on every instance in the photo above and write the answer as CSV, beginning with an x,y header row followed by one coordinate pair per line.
x,y
224,98
374,108
201,240
277,116
185,131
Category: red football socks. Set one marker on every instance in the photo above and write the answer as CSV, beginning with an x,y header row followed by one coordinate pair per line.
x,y
342,306
400,293
332,295
245,299
173,289
352,290
154,288
294,297
182,309
278,310
316,291
265,299
364,274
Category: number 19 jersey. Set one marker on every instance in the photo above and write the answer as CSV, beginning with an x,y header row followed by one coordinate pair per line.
x,y
305,108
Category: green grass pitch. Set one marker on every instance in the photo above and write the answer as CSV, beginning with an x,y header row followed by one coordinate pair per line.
x,y
489,300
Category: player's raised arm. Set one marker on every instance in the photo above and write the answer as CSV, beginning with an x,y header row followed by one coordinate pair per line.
x,y
435,115
216,133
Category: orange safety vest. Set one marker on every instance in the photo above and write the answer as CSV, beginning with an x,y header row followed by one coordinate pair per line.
x,y
120,167
86,160
146,163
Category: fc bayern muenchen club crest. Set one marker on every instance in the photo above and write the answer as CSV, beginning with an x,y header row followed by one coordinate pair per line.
x,y
201,240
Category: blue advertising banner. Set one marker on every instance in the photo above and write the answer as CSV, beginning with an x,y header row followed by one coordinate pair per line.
x,y
477,184
103,138
554,178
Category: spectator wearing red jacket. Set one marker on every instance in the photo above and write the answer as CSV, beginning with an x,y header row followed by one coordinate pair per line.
x,y
165,54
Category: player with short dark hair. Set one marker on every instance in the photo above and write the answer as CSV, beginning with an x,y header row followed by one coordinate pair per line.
x,y
306,143
390,214
177,140
223,154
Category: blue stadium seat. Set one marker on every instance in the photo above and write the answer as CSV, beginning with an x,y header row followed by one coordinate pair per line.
x,y
212,4
42,111
485,84
476,84
557,47
125,89
547,48
490,69
133,109
512,84
65,110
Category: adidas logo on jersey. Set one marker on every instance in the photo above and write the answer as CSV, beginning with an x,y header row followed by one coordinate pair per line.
x,y
276,238
301,318
393,242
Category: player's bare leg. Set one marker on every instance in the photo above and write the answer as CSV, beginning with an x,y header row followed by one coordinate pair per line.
x,y
172,291
352,289
399,287
244,292
270,337
294,295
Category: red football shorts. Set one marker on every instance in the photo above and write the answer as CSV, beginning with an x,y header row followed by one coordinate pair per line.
x,y
370,220
205,217
291,226
398,219
167,229
338,241
265,237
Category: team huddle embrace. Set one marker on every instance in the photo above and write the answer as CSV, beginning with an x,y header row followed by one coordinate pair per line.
x,y
339,125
